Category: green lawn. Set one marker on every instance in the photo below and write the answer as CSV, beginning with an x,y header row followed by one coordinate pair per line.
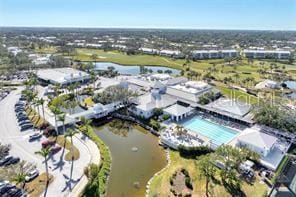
x,y
47,49
243,67
160,185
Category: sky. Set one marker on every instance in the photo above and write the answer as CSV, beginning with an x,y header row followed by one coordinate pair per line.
x,y
184,14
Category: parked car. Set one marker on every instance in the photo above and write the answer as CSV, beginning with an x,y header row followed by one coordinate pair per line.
x,y
26,126
47,143
35,136
55,149
3,184
6,189
22,118
21,113
32,175
12,192
24,122
14,160
5,160
19,109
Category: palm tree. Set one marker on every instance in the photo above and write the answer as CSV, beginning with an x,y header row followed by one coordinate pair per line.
x,y
236,76
44,152
70,133
85,124
21,178
41,102
56,111
207,170
62,118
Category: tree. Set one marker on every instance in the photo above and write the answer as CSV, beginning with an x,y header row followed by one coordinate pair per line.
x,y
41,102
62,118
154,124
44,152
207,170
70,133
56,111
94,57
20,179
85,124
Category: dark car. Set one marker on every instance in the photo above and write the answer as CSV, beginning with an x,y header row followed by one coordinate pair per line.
x,y
12,192
19,109
35,136
23,118
5,160
14,160
19,104
26,126
21,113
6,189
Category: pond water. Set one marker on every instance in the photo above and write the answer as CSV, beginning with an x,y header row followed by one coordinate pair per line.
x,y
291,84
136,156
132,70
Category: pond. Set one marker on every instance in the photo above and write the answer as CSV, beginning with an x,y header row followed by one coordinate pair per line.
x,y
132,70
291,85
136,156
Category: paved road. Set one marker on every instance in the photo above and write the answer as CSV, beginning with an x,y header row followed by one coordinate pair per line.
x,y
60,169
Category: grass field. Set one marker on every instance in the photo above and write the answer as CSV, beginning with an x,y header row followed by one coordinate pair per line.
x,y
36,187
47,49
160,185
73,151
243,68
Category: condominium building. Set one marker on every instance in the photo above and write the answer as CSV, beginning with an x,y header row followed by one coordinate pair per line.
x,y
264,54
214,54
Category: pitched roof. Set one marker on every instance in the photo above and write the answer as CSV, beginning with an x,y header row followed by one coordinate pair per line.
x,y
257,138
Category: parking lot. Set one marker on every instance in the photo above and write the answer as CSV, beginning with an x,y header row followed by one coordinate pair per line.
x,y
21,147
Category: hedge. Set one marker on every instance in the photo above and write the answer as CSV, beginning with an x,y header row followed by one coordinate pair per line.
x,y
97,186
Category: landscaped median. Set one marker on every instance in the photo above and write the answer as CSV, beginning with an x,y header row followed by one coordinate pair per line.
x,y
97,175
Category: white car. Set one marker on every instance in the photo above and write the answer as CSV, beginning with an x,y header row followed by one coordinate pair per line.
x,y
32,175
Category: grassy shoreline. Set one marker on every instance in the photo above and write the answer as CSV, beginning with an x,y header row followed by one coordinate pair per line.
x,y
101,179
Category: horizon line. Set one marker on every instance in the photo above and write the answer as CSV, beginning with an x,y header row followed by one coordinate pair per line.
x,y
142,27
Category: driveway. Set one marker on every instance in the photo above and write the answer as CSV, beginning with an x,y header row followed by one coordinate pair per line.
x,y
66,173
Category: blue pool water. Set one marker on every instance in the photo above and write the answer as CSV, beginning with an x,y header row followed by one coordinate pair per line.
x,y
217,133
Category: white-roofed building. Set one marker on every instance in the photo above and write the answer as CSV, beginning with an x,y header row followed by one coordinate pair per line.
x,y
214,54
62,76
146,103
190,90
269,147
171,53
149,50
266,54
267,84
177,111
257,141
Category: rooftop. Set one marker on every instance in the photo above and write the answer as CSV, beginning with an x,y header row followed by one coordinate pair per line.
x,y
230,106
177,110
61,75
257,138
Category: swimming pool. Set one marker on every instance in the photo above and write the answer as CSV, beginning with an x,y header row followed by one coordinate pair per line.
x,y
217,133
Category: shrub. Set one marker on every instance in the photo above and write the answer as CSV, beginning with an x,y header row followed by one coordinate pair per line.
x,y
188,182
193,152
98,174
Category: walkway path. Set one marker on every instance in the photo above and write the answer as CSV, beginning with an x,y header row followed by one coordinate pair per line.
x,y
66,174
